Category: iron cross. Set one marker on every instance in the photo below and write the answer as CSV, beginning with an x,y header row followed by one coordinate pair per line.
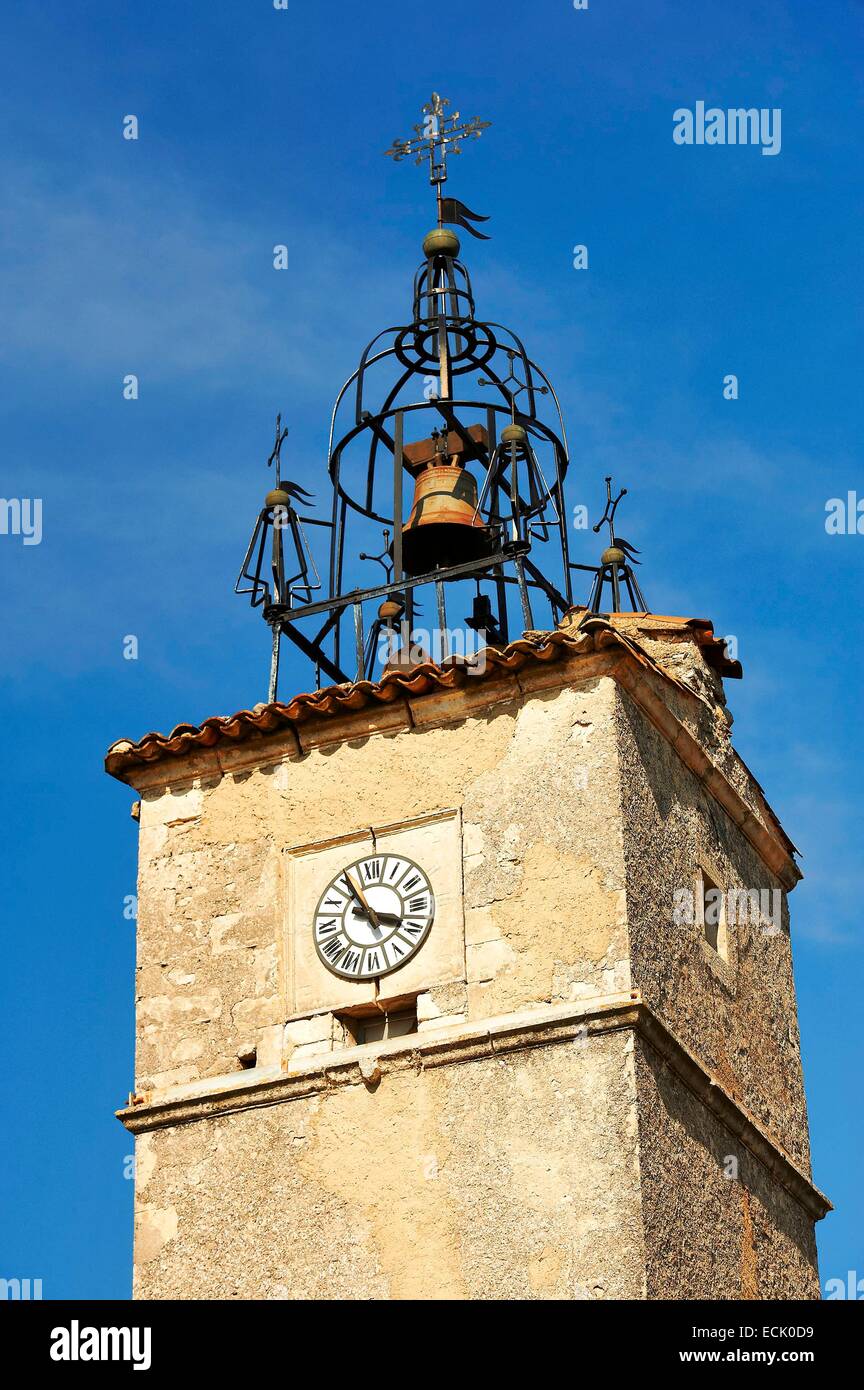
x,y
439,134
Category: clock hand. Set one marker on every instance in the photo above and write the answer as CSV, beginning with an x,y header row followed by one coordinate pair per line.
x,y
360,897
390,919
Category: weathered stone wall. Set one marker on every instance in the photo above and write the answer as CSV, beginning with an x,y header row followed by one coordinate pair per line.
x,y
709,1234
492,1179
738,1016
535,787
556,823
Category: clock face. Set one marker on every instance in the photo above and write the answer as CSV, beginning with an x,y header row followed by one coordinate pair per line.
x,y
373,916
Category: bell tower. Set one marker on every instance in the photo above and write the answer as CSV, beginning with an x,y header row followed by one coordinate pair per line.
x,y
466,973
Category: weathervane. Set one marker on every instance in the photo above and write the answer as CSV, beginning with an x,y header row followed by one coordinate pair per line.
x,y
616,562
439,135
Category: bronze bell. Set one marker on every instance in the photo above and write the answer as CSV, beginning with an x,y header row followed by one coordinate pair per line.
x,y
443,527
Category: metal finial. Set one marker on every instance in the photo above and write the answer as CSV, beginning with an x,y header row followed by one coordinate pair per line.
x,y
276,455
616,562
440,134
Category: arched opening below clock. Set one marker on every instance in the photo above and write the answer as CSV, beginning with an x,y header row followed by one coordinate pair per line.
x,y
378,1023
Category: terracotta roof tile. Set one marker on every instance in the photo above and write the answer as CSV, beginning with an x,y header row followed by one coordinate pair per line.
x,y
579,633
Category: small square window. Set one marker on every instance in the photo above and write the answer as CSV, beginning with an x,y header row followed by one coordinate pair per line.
x,y
400,1024
371,1029
379,1026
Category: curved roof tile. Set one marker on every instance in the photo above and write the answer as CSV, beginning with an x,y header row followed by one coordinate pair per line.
x,y
591,634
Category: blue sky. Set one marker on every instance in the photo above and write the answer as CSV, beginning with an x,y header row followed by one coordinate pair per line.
x,y
260,127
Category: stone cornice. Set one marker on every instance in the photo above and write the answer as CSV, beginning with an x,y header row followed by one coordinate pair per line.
x,y
548,1026
440,704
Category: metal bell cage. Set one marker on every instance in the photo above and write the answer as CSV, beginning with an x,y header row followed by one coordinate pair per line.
x,y
488,487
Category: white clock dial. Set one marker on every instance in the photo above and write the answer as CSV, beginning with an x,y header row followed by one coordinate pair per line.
x,y
373,916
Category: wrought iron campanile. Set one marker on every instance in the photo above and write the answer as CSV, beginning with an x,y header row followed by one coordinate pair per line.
x,y
449,440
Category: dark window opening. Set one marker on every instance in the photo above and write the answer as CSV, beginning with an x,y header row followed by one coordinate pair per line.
x,y
379,1025
710,910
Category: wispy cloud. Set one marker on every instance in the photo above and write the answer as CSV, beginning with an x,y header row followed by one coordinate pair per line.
x,y
115,275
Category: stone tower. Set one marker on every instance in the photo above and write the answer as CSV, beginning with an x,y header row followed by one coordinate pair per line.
x,y
571,1087
465,977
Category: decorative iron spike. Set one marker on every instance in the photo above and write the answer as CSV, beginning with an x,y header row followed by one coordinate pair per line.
x,y
616,564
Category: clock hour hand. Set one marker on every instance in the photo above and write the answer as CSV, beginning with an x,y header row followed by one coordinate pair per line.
x,y
385,919
359,896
